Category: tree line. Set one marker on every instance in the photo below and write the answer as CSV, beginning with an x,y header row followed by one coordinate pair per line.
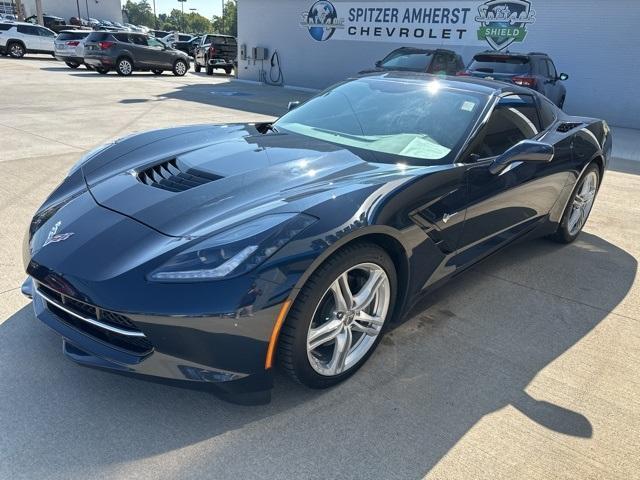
x,y
141,13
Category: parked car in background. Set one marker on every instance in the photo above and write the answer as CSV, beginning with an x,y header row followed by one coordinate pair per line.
x,y
158,33
534,70
20,38
7,17
126,52
188,47
69,47
410,59
216,51
52,22
174,37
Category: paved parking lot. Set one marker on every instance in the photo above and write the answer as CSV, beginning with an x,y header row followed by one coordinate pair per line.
x,y
526,367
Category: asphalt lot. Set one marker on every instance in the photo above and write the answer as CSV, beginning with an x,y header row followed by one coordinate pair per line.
x,y
526,367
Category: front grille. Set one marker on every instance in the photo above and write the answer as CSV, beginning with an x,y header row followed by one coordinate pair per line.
x,y
174,177
104,325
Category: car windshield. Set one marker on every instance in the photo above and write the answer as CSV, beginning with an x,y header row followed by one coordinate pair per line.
x,y
414,60
500,64
424,121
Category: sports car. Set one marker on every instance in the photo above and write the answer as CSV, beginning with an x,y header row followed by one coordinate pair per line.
x,y
206,255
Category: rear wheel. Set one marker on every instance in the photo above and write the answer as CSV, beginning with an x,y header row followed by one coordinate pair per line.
x,y
102,71
579,207
88,67
124,67
157,71
72,64
16,49
228,70
338,318
197,68
180,68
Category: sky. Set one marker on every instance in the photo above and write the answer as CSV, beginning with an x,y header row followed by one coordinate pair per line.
x,y
206,8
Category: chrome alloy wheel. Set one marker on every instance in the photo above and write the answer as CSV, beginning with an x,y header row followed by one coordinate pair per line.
x,y
348,319
181,68
125,67
582,203
16,50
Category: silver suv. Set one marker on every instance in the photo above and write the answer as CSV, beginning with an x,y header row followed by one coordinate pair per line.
x,y
19,38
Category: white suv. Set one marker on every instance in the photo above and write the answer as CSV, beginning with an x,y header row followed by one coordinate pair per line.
x,y
18,38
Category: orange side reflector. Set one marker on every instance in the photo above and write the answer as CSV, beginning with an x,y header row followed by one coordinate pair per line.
x,y
273,341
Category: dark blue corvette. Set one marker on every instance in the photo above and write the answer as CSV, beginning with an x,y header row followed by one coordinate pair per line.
x,y
205,254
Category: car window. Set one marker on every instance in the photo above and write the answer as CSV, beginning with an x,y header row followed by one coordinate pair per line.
x,y
45,32
439,64
122,37
154,42
28,30
417,120
5,26
552,69
98,37
413,60
542,68
491,63
185,38
547,113
138,40
513,119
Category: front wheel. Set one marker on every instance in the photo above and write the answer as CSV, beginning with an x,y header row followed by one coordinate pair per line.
x,y
72,64
88,67
197,68
209,70
579,207
338,317
180,68
16,50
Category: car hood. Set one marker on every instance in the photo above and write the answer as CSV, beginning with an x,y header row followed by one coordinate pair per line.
x,y
233,173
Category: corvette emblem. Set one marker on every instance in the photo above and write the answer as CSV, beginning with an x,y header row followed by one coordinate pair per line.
x,y
54,236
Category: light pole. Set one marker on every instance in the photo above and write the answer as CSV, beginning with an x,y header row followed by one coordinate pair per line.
x,y
182,3
155,16
86,2
222,18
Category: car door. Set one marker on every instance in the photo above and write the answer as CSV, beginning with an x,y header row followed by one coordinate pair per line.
x,y
555,87
159,53
30,37
502,206
47,39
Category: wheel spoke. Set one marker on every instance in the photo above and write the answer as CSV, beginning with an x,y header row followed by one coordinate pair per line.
x,y
342,293
372,319
369,290
323,334
371,331
340,353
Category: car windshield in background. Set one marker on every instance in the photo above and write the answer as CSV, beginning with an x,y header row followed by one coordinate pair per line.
x,y
418,120
72,36
413,61
500,64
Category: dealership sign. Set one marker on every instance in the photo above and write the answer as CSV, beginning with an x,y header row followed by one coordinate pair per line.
x,y
497,23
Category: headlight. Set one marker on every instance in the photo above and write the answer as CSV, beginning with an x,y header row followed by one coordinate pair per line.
x,y
235,251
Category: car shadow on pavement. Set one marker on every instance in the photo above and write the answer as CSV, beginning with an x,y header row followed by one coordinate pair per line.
x,y
470,349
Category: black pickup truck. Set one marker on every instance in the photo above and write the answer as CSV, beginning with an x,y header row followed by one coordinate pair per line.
x,y
57,24
216,51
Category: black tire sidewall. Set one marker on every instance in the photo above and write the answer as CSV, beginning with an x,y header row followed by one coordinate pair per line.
x,y
310,297
563,234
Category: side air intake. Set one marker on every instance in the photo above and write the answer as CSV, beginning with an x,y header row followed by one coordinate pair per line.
x,y
567,126
171,176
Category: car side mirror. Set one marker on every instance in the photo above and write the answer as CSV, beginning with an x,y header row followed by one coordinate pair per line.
x,y
524,151
293,105
378,63
563,77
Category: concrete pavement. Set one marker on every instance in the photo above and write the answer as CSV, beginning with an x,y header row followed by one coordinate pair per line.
x,y
525,367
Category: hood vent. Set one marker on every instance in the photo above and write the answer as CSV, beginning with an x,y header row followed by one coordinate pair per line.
x,y
568,126
171,176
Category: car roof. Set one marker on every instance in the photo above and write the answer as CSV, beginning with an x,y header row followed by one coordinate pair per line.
x,y
511,54
471,84
79,30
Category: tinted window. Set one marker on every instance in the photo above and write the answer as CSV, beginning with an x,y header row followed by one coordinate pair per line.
x,y
413,60
154,42
28,30
72,35
420,120
509,64
122,37
45,32
138,40
514,119
184,38
552,69
5,26
547,113
98,37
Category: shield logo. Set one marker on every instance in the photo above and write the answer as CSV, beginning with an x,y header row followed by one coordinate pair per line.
x,y
503,22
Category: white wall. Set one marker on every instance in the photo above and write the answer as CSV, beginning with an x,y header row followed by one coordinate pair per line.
x,y
596,43
100,9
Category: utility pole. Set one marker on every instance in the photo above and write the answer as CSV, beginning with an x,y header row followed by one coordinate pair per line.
x,y
39,12
87,4
222,19
155,16
182,3
79,15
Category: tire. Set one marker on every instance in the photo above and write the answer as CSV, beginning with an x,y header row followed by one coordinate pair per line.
x,y
317,306
579,206
228,70
88,67
197,68
16,50
124,66
102,71
180,68
72,64
157,71
209,70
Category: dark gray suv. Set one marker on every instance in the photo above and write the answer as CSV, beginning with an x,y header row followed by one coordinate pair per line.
x,y
126,52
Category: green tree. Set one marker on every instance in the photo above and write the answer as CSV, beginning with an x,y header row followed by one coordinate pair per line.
x,y
227,24
140,13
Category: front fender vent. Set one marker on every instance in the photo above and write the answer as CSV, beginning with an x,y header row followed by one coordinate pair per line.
x,y
568,126
172,176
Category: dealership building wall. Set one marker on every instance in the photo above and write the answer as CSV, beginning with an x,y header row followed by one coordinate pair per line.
x,y
596,42
101,9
